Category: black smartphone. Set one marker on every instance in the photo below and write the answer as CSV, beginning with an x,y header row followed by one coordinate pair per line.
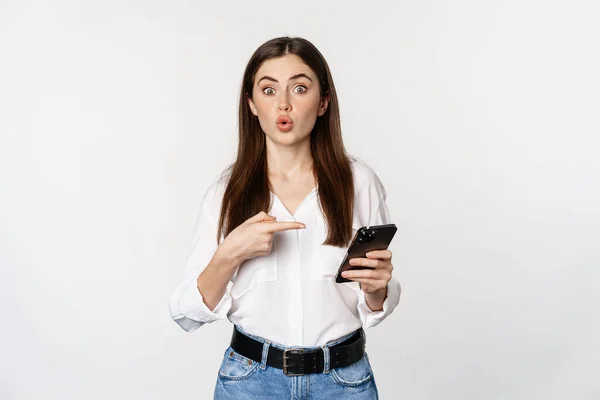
x,y
366,239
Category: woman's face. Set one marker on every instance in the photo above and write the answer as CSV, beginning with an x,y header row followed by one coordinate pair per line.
x,y
285,86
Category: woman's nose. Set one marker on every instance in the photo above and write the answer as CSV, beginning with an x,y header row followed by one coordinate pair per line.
x,y
284,103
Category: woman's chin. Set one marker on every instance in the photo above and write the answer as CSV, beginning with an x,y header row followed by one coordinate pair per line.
x,y
286,138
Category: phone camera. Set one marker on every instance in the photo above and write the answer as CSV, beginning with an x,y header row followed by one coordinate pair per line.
x,y
365,235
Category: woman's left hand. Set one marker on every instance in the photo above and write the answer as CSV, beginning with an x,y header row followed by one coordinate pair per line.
x,y
372,280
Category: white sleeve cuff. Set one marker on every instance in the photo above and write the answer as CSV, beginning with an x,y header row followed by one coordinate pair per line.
x,y
372,318
188,309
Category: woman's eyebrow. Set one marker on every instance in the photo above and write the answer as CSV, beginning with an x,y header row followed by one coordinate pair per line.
x,y
291,78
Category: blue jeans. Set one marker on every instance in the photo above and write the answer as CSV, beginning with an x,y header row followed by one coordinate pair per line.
x,y
241,378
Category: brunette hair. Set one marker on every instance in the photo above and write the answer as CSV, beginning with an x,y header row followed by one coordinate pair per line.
x,y
248,188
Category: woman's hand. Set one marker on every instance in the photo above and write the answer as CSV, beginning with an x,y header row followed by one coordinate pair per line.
x,y
254,237
372,280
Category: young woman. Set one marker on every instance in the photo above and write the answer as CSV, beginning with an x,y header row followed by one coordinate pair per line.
x,y
272,232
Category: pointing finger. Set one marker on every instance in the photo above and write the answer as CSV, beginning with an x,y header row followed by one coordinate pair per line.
x,y
281,226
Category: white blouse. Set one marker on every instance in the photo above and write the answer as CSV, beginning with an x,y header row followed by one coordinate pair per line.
x,y
290,295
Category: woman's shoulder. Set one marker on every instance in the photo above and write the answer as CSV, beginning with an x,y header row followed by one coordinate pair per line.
x,y
369,191
364,174
214,192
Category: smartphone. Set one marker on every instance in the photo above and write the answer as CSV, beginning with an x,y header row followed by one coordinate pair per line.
x,y
366,239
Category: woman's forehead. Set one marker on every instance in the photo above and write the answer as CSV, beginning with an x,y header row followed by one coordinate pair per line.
x,y
282,68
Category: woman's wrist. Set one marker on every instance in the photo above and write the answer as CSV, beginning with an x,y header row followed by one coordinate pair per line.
x,y
226,257
375,300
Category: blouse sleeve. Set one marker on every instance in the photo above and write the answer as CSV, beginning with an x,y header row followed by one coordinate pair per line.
x,y
369,317
186,304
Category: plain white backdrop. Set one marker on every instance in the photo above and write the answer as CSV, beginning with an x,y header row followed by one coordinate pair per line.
x,y
480,118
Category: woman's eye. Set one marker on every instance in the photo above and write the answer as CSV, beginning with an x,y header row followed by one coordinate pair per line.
x,y
270,90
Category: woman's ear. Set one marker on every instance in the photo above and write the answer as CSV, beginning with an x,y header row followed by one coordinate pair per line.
x,y
251,105
323,104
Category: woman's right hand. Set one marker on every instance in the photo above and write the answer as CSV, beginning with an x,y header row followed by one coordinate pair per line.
x,y
254,237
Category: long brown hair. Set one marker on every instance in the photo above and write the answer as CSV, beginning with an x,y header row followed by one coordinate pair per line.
x,y
248,188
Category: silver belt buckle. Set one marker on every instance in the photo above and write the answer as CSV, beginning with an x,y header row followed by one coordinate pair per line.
x,y
285,357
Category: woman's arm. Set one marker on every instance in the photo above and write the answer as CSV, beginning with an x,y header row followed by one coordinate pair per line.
x,y
202,295
212,281
380,295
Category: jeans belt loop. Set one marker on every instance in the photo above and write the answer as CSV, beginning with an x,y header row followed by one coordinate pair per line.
x,y
325,359
265,353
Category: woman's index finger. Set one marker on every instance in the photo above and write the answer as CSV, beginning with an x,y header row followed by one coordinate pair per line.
x,y
276,226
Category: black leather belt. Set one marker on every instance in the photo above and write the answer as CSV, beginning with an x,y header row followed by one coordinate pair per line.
x,y
296,361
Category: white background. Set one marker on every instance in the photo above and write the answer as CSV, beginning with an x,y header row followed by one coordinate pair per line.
x,y
480,118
